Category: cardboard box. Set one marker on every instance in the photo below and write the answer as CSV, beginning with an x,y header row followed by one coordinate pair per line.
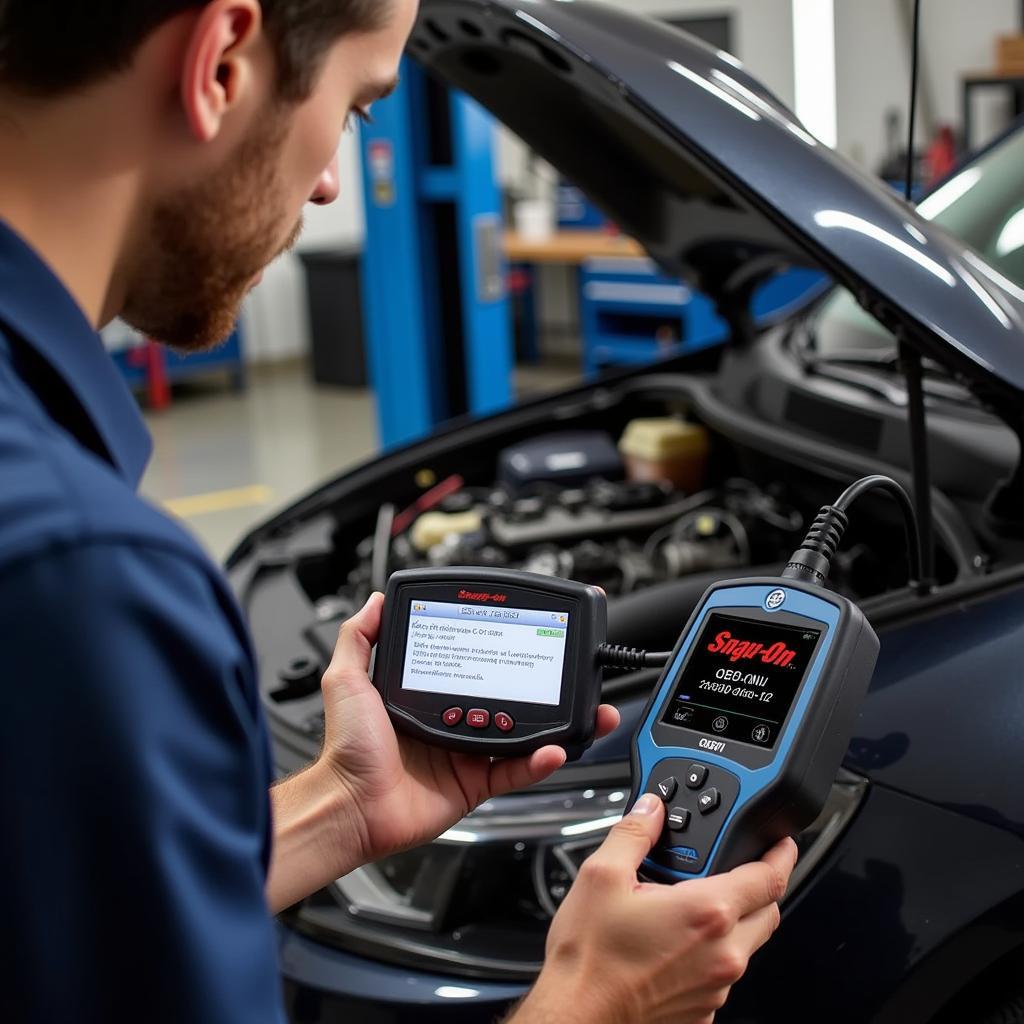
x,y
1010,55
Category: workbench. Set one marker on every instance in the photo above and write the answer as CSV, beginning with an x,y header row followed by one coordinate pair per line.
x,y
630,311
569,248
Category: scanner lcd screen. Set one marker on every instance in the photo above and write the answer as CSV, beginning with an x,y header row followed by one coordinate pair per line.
x,y
485,651
741,678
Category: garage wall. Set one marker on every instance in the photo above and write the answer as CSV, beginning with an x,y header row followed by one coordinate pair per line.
x,y
873,66
277,324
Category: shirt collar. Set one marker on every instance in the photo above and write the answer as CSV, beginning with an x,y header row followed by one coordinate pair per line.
x,y
37,307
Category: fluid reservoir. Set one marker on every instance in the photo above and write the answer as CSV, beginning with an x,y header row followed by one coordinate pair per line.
x,y
666,448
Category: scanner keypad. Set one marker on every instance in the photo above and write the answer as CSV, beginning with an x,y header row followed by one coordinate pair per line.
x,y
695,811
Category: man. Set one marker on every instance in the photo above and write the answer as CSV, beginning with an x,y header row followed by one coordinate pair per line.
x,y
154,156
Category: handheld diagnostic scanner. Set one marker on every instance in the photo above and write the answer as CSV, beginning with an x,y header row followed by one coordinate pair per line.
x,y
491,661
749,723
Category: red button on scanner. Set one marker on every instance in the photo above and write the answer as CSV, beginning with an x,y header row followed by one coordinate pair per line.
x,y
504,721
477,718
452,717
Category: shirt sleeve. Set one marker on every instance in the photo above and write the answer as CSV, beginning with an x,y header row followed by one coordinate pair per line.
x,y
134,815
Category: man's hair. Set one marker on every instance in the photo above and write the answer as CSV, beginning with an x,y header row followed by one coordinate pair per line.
x,y
48,47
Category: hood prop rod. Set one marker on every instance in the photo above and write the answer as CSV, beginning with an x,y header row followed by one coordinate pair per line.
x,y
920,468
913,370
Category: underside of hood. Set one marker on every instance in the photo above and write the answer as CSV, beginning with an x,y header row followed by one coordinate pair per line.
x,y
716,178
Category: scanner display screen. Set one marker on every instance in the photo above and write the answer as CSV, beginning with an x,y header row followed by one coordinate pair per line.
x,y
465,650
741,678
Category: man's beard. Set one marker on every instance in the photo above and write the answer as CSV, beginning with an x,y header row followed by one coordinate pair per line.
x,y
207,244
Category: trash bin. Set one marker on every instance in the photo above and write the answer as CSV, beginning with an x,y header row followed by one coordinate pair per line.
x,y
334,287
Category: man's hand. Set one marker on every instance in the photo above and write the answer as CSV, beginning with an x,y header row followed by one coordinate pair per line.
x,y
373,792
624,952
406,792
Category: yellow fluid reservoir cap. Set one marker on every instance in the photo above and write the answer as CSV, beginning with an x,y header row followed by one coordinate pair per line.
x,y
663,438
432,527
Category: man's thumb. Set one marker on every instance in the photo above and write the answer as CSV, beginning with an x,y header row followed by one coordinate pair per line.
x,y
356,640
632,838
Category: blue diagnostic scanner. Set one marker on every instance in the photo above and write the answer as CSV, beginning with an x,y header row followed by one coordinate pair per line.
x,y
749,723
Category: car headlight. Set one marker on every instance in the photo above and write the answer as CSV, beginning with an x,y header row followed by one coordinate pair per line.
x,y
477,902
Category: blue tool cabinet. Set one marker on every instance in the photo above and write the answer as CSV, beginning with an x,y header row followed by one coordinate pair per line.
x,y
631,312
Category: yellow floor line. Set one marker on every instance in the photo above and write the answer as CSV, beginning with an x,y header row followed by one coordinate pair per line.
x,y
219,501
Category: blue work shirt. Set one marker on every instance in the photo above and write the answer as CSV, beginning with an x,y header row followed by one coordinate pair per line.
x,y
134,763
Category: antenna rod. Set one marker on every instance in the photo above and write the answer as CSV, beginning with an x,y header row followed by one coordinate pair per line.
x,y
913,370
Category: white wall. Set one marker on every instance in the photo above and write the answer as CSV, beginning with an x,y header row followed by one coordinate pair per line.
x,y
276,319
873,66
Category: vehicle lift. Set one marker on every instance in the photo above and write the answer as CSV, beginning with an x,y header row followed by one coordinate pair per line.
x,y
439,340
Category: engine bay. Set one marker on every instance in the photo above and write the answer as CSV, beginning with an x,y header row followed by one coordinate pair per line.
x,y
631,490
651,487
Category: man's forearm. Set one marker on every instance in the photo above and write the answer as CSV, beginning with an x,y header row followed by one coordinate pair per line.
x,y
558,1000
316,836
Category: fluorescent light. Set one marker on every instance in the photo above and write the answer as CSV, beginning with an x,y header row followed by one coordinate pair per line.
x,y
994,308
458,835
1011,238
848,222
456,992
598,825
943,198
715,90
814,66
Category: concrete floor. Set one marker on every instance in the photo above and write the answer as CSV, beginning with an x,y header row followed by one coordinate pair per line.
x,y
225,461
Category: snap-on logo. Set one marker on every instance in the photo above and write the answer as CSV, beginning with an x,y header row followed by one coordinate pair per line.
x,y
775,600
747,650
470,595
712,745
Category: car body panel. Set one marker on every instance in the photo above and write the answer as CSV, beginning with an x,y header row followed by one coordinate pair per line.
x,y
953,683
851,946
868,942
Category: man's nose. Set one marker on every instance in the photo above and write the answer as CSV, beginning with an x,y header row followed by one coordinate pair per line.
x,y
327,187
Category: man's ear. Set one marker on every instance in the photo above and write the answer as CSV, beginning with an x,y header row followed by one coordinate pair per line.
x,y
218,63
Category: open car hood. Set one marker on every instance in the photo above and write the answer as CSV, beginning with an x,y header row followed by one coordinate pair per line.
x,y
716,178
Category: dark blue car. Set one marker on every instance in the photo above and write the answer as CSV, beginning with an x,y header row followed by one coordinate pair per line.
x,y
908,903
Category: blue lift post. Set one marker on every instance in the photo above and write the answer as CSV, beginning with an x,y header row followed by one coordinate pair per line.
x,y
439,340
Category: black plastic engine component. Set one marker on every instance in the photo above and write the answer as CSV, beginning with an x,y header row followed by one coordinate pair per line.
x,y
564,459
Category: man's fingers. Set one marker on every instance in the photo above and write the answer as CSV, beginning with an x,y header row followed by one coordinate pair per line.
x,y
752,887
629,841
520,772
608,720
756,929
356,639
783,857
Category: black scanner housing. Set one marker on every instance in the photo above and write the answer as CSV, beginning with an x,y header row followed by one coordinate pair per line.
x,y
570,724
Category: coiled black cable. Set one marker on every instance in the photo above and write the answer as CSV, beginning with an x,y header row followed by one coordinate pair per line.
x,y
812,560
631,659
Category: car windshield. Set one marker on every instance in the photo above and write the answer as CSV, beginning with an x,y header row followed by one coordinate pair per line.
x,y
983,205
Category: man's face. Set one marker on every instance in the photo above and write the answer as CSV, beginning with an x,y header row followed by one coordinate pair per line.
x,y
208,242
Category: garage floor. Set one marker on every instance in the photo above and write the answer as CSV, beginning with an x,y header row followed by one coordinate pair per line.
x,y
224,461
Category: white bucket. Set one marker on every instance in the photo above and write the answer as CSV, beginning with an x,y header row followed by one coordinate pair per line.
x,y
534,219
